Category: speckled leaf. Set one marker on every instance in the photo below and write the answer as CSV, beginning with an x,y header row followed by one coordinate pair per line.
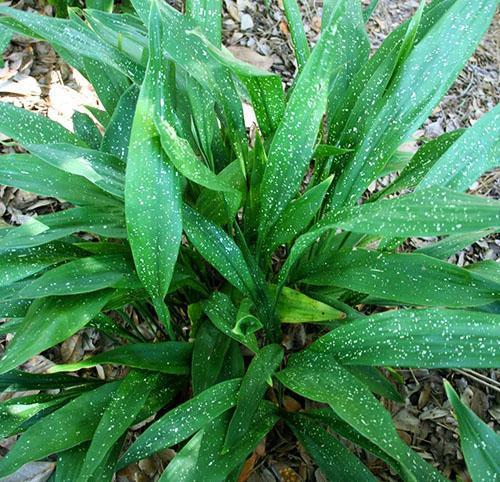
x,y
32,174
209,350
421,80
117,135
219,249
475,152
50,227
222,313
333,458
450,245
17,264
26,127
86,129
296,307
84,275
52,434
297,216
152,192
411,279
18,381
265,89
417,338
184,420
50,321
126,403
105,5
480,444
104,170
294,141
252,389
297,33
428,212
168,357
317,376
73,37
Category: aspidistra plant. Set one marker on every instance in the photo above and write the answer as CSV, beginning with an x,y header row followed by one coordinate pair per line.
x,y
220,239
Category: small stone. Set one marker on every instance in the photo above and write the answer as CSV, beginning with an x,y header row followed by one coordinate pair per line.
x,y
246,22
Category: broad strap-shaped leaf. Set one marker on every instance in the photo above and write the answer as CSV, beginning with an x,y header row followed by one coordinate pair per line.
x,y
117,136
333,458
413,279
297,33
202,457
50,227
297,216
421,80
152,191
416,338
428,212
295,307
18,381
32,174
51,434
294,141
252,389
223,314
219,249
480,444
476,151
86,129
319,377
104,170
26,127
73,37
170,357
84,275
184,420
125,405
50,321
209,351
265,89
17,264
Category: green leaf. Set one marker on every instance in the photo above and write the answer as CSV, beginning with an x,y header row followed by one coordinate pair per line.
x,y
153,195
51,435
423,76
168,357
84,275
26,127
86,130
315,375
265,89
105,5
428,212
5,38
416,338
298,36
222,313
294,141
480,444
125,405
412,279
296,307
73,37
17,264
32,174
18,381
219,249
50,227
209,350
475,152
335,461
297,216
252,389
202,458
104,170
50,321
117,136
184,420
